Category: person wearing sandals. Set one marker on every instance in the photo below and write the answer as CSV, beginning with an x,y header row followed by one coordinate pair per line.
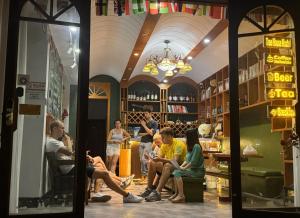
x,y
115,138
193,166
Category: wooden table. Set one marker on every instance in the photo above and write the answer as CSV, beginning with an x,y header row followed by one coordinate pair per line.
x,y
227,158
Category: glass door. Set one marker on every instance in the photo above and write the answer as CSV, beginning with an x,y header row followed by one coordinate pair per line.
x,y
41,116
267,175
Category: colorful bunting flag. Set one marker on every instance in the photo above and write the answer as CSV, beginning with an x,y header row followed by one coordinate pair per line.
x,y
163,8
203,10
153,7
138,6
101,7
173,7
189,8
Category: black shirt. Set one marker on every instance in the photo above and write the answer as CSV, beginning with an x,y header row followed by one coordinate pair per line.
x,y
152,124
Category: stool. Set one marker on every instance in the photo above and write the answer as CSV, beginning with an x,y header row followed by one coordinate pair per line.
x,y
193,189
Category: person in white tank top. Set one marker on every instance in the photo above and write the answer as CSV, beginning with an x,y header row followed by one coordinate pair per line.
x,y
115,138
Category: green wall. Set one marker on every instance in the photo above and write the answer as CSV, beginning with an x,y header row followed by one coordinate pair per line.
x,y
255,129
115,96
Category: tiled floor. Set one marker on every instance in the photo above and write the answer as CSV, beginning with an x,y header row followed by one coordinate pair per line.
x,y
211,208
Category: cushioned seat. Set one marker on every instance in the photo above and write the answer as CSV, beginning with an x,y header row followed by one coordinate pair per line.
x,y
193,189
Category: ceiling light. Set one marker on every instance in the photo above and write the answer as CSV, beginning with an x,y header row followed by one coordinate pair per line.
x,y
136,54
206,41
189,57
168,63
73,28
165,80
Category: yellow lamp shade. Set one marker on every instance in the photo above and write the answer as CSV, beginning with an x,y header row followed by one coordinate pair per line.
x,y
154,71
169,73
180,64
146,69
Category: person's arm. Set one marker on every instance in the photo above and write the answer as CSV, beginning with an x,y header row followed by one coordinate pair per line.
x,y
64,150
194,157
184,164
126,135
161,156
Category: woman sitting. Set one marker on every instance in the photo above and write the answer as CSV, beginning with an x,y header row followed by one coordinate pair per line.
x,y
116,137
193,166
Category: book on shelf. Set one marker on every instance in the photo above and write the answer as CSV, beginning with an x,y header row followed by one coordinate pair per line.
x,y
177,109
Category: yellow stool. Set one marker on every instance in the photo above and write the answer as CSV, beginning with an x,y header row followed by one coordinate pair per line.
x,y
125,162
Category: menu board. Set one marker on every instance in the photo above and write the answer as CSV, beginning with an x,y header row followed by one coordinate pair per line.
x,y
280,84
55,83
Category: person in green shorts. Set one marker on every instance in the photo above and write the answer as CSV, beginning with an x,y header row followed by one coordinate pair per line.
x,y
193,166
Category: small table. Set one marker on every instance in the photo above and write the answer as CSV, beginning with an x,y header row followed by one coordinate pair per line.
x,y
227,158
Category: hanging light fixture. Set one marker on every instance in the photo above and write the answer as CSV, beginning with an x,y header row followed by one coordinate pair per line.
x,y
169,64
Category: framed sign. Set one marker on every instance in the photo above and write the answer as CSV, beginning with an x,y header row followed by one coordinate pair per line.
x,y
279,77
281,93
278,59
277,42
281,112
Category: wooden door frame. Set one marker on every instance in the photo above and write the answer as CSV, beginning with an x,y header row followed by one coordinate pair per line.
x,y
83,9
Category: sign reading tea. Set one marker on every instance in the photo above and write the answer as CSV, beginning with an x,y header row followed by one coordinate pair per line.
x,y
275,42
281,112
279,77
278,93
278,59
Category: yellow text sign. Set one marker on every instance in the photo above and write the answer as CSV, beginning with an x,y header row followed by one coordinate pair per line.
x,y
276,42
278,59
281,112
279,93
280,77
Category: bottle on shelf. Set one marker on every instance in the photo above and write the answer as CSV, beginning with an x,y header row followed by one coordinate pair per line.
x,y
133,97
170,97
148,96
152,96
187,98
129,96
155,97
144,97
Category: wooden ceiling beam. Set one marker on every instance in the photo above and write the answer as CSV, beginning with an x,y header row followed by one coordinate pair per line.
x,y
141,42
211,35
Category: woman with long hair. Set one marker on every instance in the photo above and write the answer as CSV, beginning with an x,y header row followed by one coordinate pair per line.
x,y
193,166
115,138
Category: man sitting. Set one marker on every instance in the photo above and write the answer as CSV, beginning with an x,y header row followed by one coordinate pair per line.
x,y
54,145
169,150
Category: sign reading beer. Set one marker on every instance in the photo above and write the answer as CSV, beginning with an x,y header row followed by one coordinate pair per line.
x,y
276,42
279,77
278,59
281,112
281,94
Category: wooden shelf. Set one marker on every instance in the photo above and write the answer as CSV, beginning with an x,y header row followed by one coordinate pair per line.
x,y
254,105
147,101
182,113
288,161
181,102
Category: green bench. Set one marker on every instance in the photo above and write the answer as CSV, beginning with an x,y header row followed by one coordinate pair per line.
x,y
261,181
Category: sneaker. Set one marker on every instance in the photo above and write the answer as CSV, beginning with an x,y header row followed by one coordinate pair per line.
x,y
132,199
98,197
146,193
126,182
154,196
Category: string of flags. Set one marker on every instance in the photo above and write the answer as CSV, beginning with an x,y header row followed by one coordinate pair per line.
x,y
134,7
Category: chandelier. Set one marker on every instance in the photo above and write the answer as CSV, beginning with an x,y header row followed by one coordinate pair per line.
x,y
169,63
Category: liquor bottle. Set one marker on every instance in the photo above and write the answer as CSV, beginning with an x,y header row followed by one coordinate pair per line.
x,y
175,98
133,97
187,98
152,96
144,97
129,96
148,96
170,97
155,97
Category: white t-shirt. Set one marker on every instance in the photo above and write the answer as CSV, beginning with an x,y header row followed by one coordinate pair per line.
x,y
54,145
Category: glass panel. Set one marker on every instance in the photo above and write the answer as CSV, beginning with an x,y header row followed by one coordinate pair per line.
x,y
257,16
29,10
70,15
40,183
273,12
267,90
45,5
285,22
247,27
60,5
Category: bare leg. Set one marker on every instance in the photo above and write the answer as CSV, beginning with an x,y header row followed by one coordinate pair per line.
x,y
109,162
153,167
175,189
114,161
180,187
156,180
108,181
166,172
